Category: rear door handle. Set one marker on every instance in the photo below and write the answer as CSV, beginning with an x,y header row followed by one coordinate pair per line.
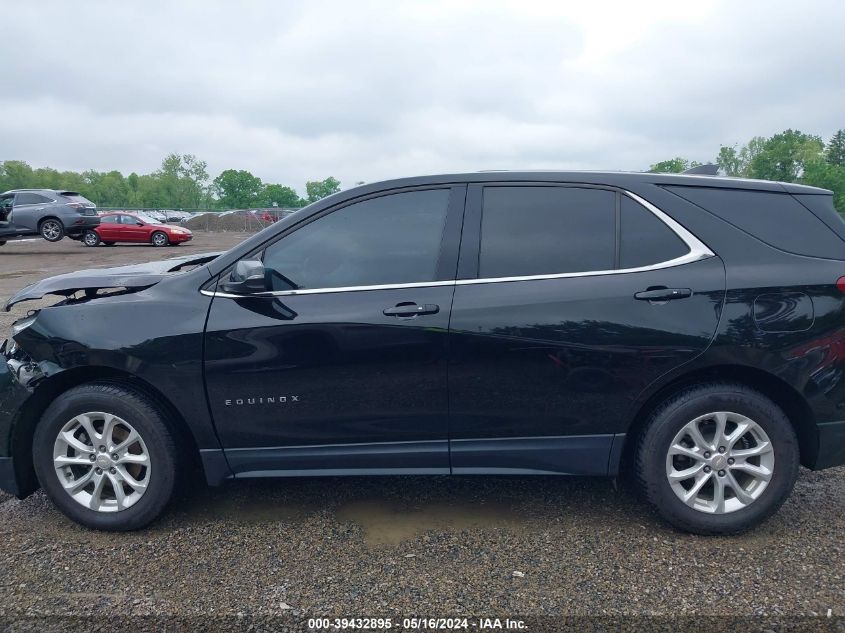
x,y
411,309
663,294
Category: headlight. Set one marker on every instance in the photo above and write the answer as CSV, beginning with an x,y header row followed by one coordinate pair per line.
x,y
20,325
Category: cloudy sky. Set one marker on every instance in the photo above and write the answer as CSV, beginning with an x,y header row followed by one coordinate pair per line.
x,y
365,90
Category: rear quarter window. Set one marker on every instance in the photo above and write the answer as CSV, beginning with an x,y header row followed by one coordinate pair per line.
x,y
644,239
777,219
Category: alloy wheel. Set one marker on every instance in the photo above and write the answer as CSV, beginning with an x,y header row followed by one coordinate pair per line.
x,y
51,230
159,239
91,238
720,462
102,462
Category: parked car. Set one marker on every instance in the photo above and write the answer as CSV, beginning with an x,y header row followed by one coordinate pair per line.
x,y
46,212
680,332
273,215
155,215
135,227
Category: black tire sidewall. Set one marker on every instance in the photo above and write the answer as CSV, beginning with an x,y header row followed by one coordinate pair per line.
x,y
668,422
147,422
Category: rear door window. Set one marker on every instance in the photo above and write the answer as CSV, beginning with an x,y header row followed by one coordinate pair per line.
x,y
30,198
534,230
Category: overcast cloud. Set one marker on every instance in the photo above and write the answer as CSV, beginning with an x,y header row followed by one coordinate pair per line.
x,y
364,90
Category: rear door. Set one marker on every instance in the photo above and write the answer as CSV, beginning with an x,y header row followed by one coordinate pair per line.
x,y
570,301
109,228
29,209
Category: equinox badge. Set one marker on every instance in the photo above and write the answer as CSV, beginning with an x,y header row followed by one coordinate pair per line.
x,y
269,400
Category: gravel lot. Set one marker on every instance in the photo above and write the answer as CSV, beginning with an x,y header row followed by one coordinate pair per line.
x,y
492,547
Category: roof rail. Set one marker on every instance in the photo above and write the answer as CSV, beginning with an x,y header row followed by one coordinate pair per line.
x,y
702,170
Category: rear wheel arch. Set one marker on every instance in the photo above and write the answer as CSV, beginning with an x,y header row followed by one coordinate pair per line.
x,y
32,410
46,218
792,403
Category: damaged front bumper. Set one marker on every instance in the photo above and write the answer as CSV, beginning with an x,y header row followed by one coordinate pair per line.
x,y
16,375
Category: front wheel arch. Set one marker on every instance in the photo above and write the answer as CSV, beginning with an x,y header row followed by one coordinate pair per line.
x,y
34,407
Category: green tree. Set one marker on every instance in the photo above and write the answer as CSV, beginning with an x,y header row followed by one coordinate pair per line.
x,y
15,174
184,180
820,173
784,156
238,189
672,166
319,189
729,161
283,196
835,152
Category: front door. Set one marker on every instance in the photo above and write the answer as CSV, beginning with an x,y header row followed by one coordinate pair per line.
x,y
134,230
343,368
573,300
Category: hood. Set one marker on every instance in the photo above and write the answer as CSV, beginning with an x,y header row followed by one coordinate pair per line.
x,y
135,276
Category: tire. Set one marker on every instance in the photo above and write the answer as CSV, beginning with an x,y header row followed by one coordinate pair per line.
x,y
155,442
51,229
159,238
2,242
90,238
701,407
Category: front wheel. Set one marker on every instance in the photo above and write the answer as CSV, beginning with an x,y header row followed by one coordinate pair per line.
x,y
105,457
51,230
159,239
91,238
717,458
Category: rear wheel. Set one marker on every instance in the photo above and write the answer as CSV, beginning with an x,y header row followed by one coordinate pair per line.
x,y
159,239
717,458
51,229
90,238
105,456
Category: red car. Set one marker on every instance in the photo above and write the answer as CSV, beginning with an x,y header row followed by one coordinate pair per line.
x,y
135,227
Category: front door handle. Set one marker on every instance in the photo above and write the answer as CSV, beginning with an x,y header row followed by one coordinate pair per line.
x,y
411,309
663,294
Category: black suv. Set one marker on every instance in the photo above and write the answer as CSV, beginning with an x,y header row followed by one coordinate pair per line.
x,y
687,331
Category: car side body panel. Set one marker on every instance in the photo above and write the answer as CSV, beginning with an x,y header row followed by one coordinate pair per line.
x,y
753,306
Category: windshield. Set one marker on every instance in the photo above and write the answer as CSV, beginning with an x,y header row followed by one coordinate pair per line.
x,y
145,218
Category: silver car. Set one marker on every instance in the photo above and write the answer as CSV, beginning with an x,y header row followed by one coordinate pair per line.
x,y
49,213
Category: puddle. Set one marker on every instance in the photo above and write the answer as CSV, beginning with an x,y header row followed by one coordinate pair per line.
x,y
386,524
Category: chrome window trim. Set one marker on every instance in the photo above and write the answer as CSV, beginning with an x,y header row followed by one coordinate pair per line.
x,y
697,251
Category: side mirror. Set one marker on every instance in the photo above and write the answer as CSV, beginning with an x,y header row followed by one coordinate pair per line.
x,y
139,223
246,278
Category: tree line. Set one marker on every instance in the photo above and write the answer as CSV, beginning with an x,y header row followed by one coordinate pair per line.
x,y
182,182
789,156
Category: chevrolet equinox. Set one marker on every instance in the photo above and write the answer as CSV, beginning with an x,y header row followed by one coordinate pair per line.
x,y
686,332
